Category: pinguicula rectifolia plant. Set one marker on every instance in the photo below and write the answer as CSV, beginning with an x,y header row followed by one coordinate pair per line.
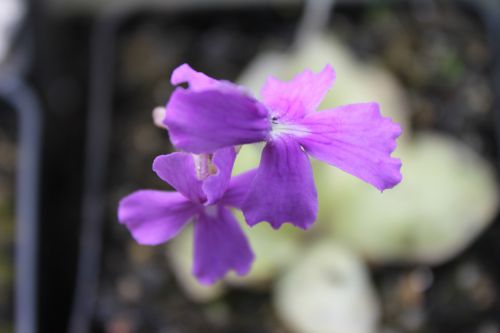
x,y
209,118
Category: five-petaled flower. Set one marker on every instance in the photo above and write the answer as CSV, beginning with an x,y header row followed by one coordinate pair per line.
x,y
205,191
212,114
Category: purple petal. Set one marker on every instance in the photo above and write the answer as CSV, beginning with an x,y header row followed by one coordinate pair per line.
x,y
154,217
202,122
303,94
219,246
196,80
357,139
199,81
238,189
283,189
178,170
215,185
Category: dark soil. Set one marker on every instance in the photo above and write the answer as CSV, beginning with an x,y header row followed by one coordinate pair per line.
x,y
441,57
8,152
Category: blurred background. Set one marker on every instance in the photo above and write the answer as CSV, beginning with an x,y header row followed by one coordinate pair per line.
x,y
78,82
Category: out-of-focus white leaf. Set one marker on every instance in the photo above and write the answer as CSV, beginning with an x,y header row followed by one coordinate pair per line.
x,y
447,197
327,291
274,251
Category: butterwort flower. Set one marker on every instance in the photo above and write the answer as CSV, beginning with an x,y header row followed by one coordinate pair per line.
x,y
205,191
210,114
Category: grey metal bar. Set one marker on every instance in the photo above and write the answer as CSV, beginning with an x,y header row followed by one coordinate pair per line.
x,y
23,100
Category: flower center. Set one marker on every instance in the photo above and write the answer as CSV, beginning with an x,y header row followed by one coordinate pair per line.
x,y
204,166
211,210
281,128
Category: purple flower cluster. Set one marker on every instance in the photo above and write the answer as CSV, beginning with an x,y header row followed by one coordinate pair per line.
x,y
209,118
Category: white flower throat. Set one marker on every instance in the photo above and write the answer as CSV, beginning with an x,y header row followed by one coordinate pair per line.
x,y
280,128
204,166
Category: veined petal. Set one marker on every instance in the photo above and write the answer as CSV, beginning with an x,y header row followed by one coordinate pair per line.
x,y
202,122
357,139
303,94
154,217
283,189
215,185
219,246
179,170
238,189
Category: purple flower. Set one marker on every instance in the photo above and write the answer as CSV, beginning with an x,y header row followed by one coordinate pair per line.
x,y
205,191
212,114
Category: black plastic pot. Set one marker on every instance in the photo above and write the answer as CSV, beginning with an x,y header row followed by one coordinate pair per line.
x,y
104,112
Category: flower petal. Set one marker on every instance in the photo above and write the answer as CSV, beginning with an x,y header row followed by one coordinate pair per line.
x,y
283,189
199,81
303,94
202,122
178,170
357,139
238,189
215,185
154,217
219,246
196,80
